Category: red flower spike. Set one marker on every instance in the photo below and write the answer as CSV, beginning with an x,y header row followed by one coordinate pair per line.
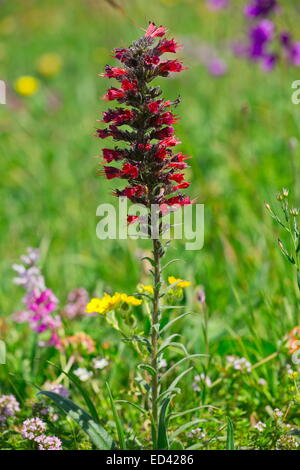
x,y
149,164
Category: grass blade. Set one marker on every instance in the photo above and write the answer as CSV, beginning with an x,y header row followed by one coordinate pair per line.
x,y
118,422
230,438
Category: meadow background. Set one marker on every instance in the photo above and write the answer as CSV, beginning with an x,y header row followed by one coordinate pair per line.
x,y
241,129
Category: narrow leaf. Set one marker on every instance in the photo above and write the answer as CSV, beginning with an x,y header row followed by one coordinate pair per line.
x,y
230,439
162,436
118,422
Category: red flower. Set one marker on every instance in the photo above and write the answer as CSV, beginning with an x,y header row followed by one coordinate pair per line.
x,y
161,153
154,106
131,191
113,72
121,54
178,165
144,147
163,133
113,94
130,171
154,31
103,133
178,177
112,172
169,142
180,200
132,218
184,185
152,60
168,45
165,118
118,116
171,66
127,85
112,155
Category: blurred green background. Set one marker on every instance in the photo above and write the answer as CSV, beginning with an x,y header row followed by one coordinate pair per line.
x,y
241,129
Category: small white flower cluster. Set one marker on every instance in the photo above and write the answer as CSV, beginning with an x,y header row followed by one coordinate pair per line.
x,y
277,413
286,442
198,433
201,379
33,429
260,426
239,363
83,374
9,406
100,363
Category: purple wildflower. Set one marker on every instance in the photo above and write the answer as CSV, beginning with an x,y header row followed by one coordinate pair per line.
x,y
217,4
260,8
59,389
9,406
48,443
292,48
201,296
33,428
77,301
259,37
39,301
217,67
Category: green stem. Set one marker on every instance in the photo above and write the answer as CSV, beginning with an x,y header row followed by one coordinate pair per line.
x,y
157,253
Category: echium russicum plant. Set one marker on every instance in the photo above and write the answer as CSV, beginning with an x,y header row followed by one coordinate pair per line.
x,y
154,174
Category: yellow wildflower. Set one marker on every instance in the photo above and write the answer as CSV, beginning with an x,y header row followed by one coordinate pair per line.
x,y
148,289
49,64
26,85
180,282
108,302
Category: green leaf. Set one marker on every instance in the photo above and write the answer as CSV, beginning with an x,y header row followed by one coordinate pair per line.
x,y
178,378
94,430
162,436
142,410
118,422
171,322
170,262
2,352
175,345
82,392
190,356
298,278
148,368
230,438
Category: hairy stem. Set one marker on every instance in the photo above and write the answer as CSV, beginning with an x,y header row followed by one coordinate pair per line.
x,y
157,253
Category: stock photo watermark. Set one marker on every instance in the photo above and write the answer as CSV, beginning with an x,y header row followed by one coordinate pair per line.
x,y
172,222
296,94
2,92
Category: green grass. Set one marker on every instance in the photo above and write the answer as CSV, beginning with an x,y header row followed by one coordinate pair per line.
x,y
238,128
